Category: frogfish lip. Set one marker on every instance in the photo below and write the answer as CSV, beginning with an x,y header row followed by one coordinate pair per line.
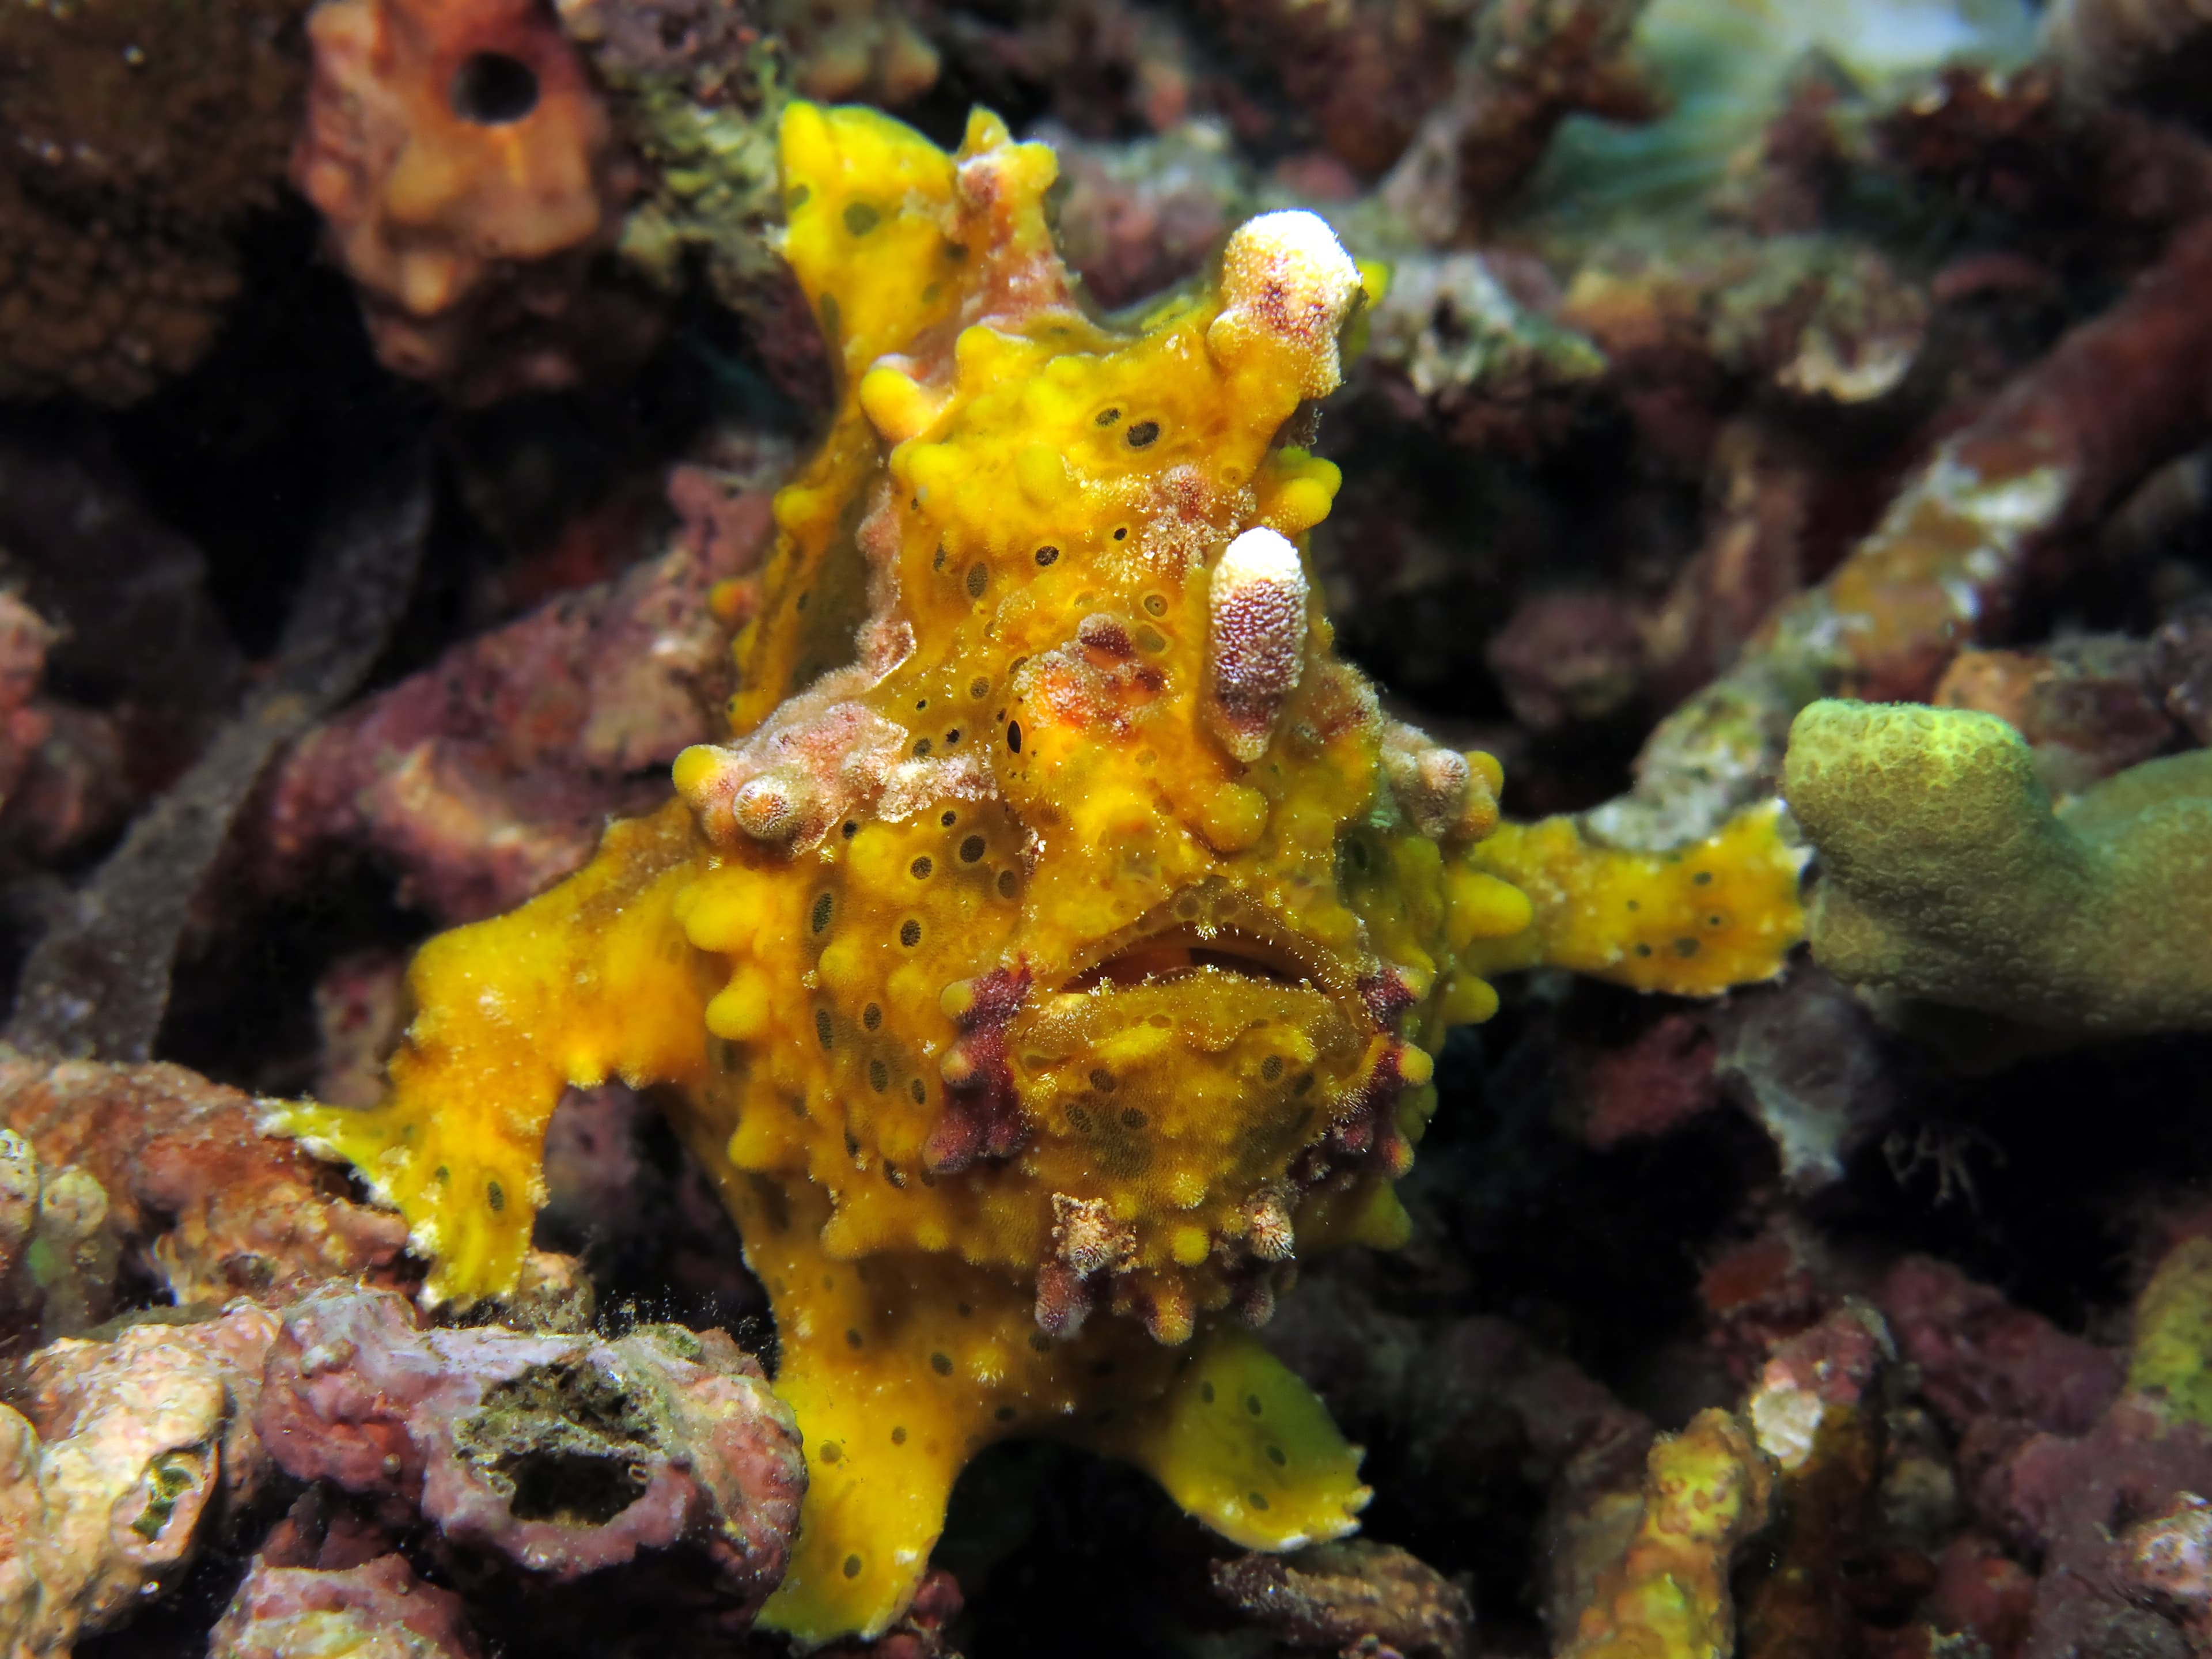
x,y
1208,926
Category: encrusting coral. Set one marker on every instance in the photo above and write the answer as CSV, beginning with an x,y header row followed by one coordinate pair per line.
x,y
1949,878
552,1457
1057,948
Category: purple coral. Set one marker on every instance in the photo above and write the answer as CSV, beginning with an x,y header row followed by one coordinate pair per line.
x,y
558,1456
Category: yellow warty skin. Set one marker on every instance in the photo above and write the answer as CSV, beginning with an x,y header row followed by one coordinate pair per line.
x,y
1027,1031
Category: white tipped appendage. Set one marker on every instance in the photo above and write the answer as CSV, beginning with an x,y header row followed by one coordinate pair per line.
x,y
1256,607
1285,278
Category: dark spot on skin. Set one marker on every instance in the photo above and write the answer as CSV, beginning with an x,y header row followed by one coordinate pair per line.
x,y
979,688
1275,1456
850,830
853,1339
803,598
1156,604
1205,1392
832,1452
909,933
798,199
918,1090
898,1436
948,818
1256,1501
1252,1404
1703,877
860,218
937,563
1078,1120
978,579
1142,436
1685,947
820,917
1271,1068
872,1017
1014,736
444,1175
963,1309
852,1566
1006,884
1642,949
1121,532
951,737
495,1195
1046,555
821,1026
922,867
1107,416
920,747
1305,1082
893,1174
971,849
851,1144
941,1364
1133,1118
1635,904
1712,921
1103,1080
879,1076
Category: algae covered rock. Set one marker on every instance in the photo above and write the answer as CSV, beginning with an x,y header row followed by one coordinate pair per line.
x,y
1949,877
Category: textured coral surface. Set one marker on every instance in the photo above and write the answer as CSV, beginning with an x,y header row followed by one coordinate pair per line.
x,y
1950,879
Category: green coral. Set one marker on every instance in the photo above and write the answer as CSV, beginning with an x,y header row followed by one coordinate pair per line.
x,y
701,112
2173,1354
1949,878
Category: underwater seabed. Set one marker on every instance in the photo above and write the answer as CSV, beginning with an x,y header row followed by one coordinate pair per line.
x,y
1105,828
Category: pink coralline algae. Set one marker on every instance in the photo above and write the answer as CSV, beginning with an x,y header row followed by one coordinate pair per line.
x,y
198,1200
488,777
126,1455
552,1456
378,1610
1979,1356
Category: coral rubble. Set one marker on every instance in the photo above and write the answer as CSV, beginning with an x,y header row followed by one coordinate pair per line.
x,y
126,1455
556,1457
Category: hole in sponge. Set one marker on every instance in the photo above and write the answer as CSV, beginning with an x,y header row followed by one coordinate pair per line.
x,y
492,90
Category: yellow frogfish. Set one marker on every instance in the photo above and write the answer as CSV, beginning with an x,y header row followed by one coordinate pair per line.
x,y
1057,947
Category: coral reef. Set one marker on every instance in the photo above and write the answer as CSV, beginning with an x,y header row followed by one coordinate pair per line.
x,y
1707,1490
138,136
378,1610
1353,1596
1948,878
1526,67
557,1457
198,1200
126,1455
1953,553
98,981
694,94
467,172
1005,736
487,776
